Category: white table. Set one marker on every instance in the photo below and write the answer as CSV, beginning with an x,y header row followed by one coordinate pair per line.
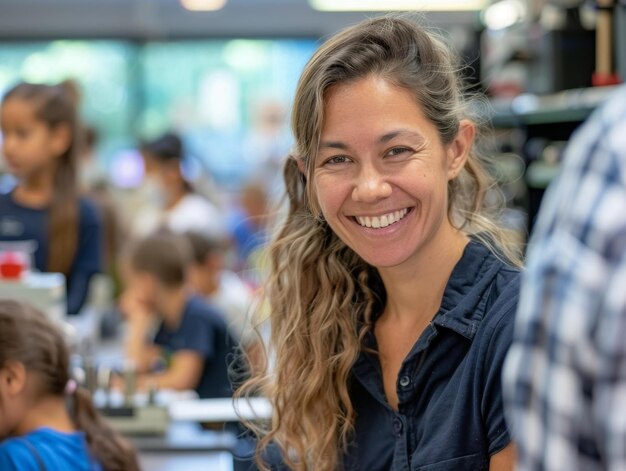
x,y
177,461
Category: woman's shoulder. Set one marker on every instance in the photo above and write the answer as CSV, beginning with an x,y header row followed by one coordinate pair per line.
x,y
501,305
502,277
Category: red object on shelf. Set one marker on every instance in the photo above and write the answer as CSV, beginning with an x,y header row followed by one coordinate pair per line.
x,y
11,266
600,80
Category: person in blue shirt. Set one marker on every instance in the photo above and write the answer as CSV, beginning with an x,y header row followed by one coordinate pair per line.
x,y
392,287
192,338
40,145
248,225
46,421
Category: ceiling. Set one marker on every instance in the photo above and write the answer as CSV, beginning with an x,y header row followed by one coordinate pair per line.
x,y
166,19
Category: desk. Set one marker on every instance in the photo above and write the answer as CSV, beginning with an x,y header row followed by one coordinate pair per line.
x,y
220,410
186,437
186,447
172,461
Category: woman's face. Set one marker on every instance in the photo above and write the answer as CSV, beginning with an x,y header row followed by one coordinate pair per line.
x,y
382,172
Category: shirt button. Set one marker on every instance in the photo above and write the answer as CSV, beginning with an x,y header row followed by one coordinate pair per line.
x,y
405,381
397,427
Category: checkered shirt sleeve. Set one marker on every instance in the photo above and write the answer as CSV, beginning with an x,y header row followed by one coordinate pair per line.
x,y
565,374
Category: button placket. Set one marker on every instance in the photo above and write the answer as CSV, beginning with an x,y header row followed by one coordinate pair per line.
x,y
397,427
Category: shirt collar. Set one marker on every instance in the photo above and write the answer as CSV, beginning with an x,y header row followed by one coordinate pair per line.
x,y
463,302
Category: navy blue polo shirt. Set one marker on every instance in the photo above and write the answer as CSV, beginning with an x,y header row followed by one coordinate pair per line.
x,y
450,414
203,331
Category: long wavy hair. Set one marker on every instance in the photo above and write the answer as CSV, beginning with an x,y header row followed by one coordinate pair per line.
x,y
320,294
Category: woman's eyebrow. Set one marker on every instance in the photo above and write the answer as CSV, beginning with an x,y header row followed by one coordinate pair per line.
x,y
384,138
400,132
333,145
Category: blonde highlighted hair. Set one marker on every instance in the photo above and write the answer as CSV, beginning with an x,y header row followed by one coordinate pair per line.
x,y
321,294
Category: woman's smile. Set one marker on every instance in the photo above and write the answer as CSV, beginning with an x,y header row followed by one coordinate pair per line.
x,y
382,221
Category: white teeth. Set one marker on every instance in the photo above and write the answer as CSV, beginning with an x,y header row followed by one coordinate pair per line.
x,y
381,221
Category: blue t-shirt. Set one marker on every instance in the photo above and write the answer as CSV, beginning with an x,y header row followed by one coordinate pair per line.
x,y
57,451
202,330
248,235
18,222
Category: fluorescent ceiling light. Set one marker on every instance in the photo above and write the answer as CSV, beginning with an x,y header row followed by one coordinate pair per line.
x,y
504,14
398,5
203,5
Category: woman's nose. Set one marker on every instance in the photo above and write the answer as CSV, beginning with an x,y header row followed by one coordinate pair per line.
x,y
370,187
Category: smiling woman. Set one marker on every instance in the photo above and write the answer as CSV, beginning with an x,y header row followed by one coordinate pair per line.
x,y
392,289
380,176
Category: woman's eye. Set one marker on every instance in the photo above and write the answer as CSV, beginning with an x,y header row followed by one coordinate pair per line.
x,y
338,159
397,151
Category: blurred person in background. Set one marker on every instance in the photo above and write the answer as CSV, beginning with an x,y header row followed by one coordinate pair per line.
x,y
40,144
221,287
191,336
90,173
95,185
565,374
267,144
177,207
248,224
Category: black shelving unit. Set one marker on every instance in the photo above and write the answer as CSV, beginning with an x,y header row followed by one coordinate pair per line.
x,y
552,117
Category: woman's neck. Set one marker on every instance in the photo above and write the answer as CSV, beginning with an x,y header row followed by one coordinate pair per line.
x,y
49,411
415,288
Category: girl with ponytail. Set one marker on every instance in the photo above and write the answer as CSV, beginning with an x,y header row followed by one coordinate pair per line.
x,y
39,145
46,421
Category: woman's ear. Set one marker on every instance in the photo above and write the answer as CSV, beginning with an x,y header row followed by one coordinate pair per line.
x,y
300,164
458,150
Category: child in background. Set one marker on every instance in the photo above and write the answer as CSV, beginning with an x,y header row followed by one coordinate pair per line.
x,y
224,289
180,208
192,337
39,128
248,224
38,429
220,287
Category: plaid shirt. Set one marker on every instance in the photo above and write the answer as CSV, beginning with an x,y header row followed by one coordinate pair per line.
x,y
565,375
